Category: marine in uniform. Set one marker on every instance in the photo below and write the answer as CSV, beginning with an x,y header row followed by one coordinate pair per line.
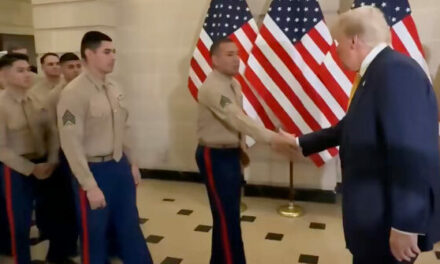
x,y
28,149
63,224
221,127
50,64
93,125
70,68
5,236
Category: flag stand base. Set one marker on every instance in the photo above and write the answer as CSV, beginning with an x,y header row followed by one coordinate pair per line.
x,y
291,210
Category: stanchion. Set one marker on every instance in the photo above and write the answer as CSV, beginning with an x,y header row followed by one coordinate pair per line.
x,y
243,207
291,210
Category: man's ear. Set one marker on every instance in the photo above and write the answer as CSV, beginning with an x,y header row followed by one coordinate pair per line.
x,y
88,53
354,41
214,60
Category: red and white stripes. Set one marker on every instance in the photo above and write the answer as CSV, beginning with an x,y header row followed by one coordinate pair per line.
x,y
405,39
302,81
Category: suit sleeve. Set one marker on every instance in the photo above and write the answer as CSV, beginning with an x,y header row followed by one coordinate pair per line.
x,y
321,140
407,114
229,112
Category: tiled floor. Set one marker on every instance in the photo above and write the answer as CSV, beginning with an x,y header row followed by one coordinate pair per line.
x,y
176,221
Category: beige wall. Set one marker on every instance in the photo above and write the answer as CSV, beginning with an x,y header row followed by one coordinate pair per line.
x,y
155,40
16,17
60,24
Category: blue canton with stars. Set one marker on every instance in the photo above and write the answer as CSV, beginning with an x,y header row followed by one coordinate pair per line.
x,y
295,17
394,10
225,17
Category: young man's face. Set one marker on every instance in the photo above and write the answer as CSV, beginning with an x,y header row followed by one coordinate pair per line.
x,y
71,69
103,58
51,66
18,75
226,60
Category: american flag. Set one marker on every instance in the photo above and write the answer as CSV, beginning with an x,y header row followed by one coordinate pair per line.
x,y
232,19
295,69
404,36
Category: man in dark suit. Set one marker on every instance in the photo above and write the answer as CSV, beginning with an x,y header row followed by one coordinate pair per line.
x,y
388,147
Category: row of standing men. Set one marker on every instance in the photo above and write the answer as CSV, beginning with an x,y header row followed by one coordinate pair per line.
x,y
86,114
83,113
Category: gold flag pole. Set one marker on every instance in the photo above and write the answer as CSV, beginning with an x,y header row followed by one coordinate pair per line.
x,y
243,207
291,210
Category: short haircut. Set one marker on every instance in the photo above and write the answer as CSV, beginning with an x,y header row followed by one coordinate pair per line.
x,y
9,59
216,45
47,55
92,40
366,22
69,56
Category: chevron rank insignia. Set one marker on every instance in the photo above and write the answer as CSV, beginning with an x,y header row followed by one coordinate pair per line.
x,y
68,119
224,101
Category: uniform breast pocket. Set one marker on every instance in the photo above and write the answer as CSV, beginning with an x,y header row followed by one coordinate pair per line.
x,y
18,128
17,122
99,107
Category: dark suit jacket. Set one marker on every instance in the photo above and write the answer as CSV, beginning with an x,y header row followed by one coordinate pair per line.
x,y
389,149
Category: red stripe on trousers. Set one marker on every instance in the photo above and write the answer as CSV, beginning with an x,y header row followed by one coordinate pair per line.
x,y
224,228
85,230
10,211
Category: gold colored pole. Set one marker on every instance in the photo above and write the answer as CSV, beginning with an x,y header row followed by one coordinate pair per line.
x,y
291,210
243,206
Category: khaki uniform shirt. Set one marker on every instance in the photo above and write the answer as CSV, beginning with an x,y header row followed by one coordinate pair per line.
x,y
92,121
27,129
42,87
54,95
221,119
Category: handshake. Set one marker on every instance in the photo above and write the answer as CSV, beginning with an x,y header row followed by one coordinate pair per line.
x,y
287,145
